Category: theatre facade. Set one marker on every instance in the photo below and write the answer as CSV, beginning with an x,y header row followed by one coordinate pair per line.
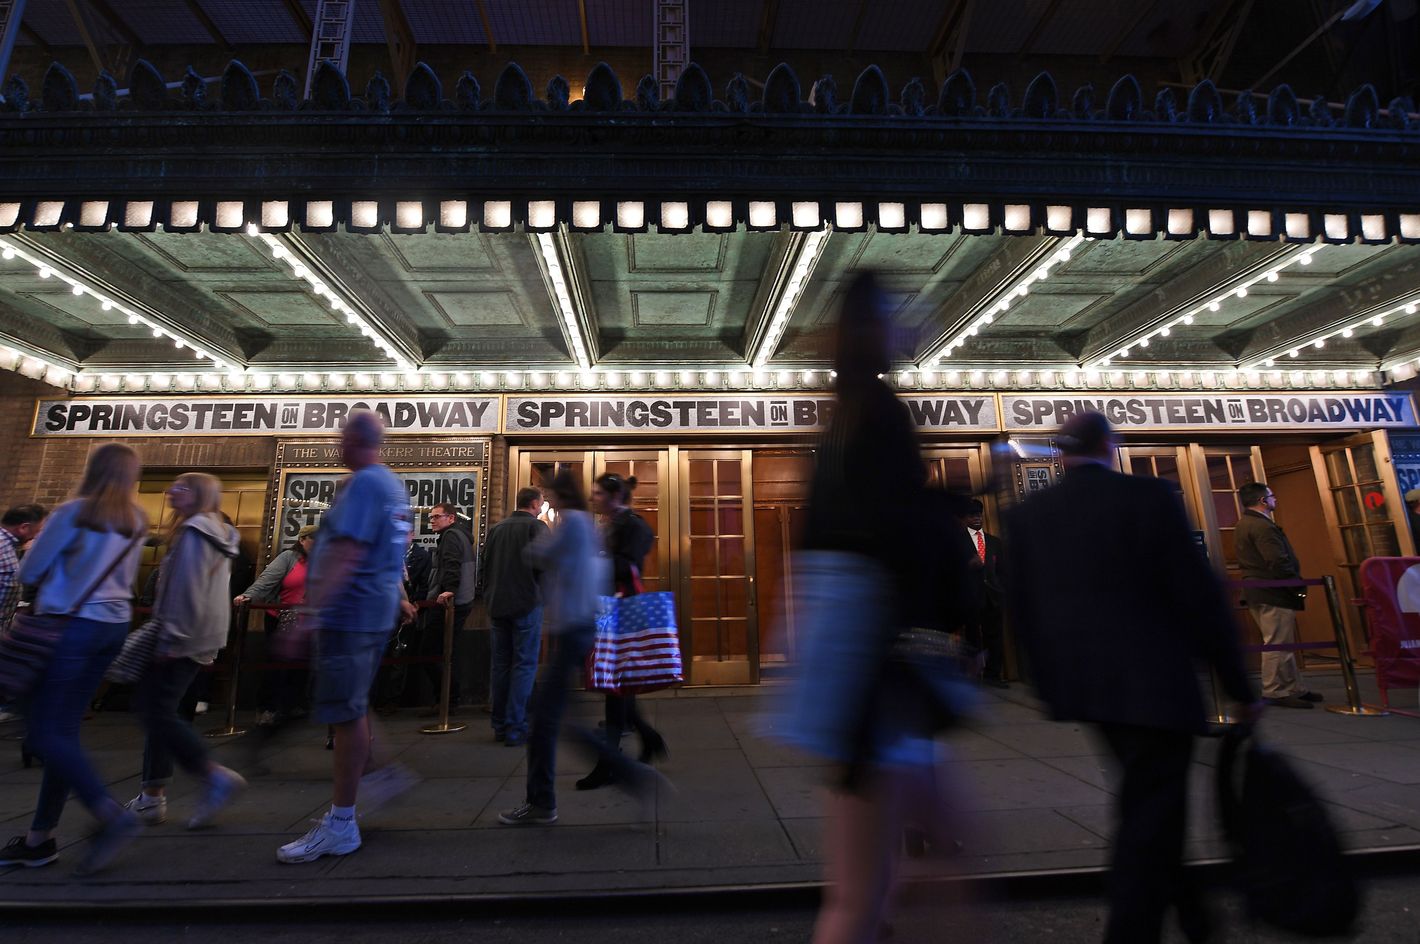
x,y
525,284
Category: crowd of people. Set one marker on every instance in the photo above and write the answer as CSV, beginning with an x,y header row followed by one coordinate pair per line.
x,y
1099,575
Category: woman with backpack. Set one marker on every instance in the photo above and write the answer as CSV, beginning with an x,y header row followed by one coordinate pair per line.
x,y
193,612
84,563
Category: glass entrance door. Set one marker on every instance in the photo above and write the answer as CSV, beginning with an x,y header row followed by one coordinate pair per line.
x,y
720,626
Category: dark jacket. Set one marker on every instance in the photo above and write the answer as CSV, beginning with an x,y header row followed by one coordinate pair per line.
x,y
628,540
1114,602
1264,553
987,577
453,568
417,564
509,582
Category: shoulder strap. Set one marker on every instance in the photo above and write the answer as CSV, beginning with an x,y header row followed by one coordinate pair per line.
x,y
89,590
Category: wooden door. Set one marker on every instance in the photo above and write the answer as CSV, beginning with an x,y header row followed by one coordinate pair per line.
x,y
719,620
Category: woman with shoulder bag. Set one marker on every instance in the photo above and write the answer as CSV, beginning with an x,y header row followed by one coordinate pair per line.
x,y
283,581
192,612
84,564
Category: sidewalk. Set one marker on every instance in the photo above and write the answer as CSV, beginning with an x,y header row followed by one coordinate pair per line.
x,y
745,812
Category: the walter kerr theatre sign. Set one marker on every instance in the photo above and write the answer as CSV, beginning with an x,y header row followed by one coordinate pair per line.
x,y
1263,411
254,416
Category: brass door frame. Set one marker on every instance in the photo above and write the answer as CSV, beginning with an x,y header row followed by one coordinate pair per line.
x,y
1198,455
717,673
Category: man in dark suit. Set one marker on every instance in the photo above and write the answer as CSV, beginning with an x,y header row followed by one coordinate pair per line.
x,y
1114,603
983,624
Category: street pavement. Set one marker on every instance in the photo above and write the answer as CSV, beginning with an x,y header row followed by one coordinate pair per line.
x,y
1033,796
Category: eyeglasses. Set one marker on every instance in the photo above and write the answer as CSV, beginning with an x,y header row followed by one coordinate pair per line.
x,y
442,515
178,488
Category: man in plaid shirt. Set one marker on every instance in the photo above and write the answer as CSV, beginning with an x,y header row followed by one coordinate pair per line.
x,y
17,528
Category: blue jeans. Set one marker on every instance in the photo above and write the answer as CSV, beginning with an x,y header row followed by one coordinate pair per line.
x,y
569,653
170,736
516,642
56,710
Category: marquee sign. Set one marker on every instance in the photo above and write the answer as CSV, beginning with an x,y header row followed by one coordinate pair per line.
x,y
1261,411
256,416
750,413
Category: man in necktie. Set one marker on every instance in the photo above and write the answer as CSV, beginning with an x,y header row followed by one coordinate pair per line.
x,y
983,626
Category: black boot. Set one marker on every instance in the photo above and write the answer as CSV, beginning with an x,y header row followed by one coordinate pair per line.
x,y
600,776
653,747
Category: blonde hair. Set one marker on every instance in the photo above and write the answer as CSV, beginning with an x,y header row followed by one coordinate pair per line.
x,y
106,491
206,491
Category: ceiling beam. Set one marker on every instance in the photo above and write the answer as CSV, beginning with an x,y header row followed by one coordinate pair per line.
x,y
582,16
12,23
768,15
210,25
790,267
1127,28
569,291
1037,31
301,18
1219,37
1206,280
487,26
399,36
86,33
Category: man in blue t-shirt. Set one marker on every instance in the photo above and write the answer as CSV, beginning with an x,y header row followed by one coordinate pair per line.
x,y
354,596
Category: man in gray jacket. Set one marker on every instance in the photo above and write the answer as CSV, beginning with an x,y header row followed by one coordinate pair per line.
x,y
515,606
452,579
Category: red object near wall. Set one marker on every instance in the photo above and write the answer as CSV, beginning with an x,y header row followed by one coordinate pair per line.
x,y
1391,590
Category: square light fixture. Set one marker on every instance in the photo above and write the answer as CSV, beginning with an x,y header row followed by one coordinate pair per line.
x,y
1373,227
631,214
1298,226
1016,218
932,217
1180,221
453,214
586,214
1139,222
48,213
1059,218
498,214
230,214
409,215
763,214
806,214
10,214
183,214
675,215
137,214
1097,220
892,216
1259,222
365,214
976,217
1336,226
320,214
1222,223
542,214
93,213
848,215
275,214
720,215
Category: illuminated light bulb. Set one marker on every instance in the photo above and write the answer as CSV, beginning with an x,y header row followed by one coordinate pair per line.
x,y
1268,363
1347,332
1063,255
1023,291
300,272
1163,332
1143,342
45,272
1305,258
106,305
973,330
1410,309
1293,353
318,288
9,253
1272,276
178,343
251,229
1242,291
564,379
1214,306
987,318
133,319
157,332
1378,320
77,289
1188,319
1319,342
1042,273
1124,352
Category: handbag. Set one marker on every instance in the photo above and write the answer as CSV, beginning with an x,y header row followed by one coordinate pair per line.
x,y
140,649
637,645
26,650
926,680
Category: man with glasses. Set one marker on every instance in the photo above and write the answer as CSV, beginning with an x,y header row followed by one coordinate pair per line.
x,y
1264,553
452,579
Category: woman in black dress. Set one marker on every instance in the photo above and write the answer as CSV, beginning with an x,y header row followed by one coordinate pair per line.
x,y
628,540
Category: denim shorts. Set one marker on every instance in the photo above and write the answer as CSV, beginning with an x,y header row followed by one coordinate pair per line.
x,y
346,664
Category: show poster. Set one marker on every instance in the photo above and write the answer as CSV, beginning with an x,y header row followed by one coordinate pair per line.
x,y
722,414
1405,457
254,416
1271,411
307,495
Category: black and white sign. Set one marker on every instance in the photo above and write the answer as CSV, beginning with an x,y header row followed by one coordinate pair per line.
x,y
718,414
306,496
255,416
1225,411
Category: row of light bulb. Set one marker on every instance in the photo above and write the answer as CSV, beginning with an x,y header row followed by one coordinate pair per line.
x,y
1240,290
784,309
1003,303
10,251
565,309
1370,321
302,273
687,381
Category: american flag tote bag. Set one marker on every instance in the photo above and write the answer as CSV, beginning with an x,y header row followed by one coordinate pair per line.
x,y
637,648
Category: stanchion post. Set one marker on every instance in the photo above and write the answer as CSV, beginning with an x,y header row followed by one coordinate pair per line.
x,y
1220,713
446,679
1353,704
230,729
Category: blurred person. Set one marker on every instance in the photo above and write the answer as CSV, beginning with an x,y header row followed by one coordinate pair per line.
x,y
18,527
575,576
452,579
628,539
514,602
283,581
860,580
97,536
983,624
1264,553
354,595
192,607
1115,602
1412,513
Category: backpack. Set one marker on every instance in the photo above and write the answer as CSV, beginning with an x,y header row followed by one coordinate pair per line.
x,y
1292,873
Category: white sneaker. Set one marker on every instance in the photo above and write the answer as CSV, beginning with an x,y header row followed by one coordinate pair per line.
x,y
325,838
8,715
200,708
382,785
151,810
222,787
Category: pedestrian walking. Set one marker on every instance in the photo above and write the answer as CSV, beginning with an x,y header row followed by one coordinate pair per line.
x,y
1115,603
628,539
283,691
84,563
192,609
354,596
514,599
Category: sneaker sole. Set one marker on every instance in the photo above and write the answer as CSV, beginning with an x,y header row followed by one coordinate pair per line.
x,y
312,856
508,821
30,863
